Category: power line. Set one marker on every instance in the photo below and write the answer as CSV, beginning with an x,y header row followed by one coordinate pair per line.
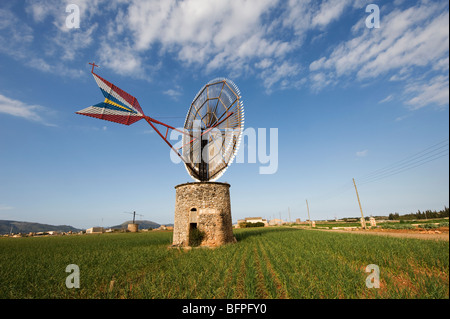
x,y
405,169
401,164
409,164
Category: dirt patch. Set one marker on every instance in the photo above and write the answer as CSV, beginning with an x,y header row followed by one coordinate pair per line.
x,y
441,233
440,230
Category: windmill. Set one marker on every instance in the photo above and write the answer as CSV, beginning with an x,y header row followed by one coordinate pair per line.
x,y
134,215
211,137
133,227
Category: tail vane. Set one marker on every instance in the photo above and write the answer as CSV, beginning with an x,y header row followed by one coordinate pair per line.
x,y
118,106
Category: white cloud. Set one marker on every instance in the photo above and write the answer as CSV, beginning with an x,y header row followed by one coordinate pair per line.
x,y
362,153
15,36
263,37
19,109
39,10
434,91
442,64
240,37
329,11
401,118
278,73
416,46
210,34
121,59
409,40
417,36
18,41
264,64
298,16
320,80
217,35
56,68
202,31
5,207
173,93
387,99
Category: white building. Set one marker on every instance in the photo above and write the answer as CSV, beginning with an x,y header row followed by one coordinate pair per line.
x,y
95,230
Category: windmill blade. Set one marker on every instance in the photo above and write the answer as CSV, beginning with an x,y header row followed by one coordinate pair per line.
x,y
118,106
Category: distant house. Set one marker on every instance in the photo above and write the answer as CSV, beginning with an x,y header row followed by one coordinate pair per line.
x,y
257,220
95,230
252,220
276,221
164,227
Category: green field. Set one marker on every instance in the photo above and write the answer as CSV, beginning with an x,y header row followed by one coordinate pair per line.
x,y
265,263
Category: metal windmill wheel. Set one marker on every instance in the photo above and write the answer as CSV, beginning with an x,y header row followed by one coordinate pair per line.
x,y
215,122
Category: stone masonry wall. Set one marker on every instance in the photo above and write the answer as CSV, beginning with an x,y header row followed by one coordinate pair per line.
x,y
208,205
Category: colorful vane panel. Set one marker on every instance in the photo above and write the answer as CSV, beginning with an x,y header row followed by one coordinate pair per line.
x,y
118,106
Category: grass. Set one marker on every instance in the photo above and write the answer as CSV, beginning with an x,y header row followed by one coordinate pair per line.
x,y
264,263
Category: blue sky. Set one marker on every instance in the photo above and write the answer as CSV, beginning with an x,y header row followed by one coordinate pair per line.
x,y
348,102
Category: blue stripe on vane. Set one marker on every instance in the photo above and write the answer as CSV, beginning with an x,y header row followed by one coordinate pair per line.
x,y
115,100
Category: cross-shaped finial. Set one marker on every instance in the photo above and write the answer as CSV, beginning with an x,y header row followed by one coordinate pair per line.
x,y
93,66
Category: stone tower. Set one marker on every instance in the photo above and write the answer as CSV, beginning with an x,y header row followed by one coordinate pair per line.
x,y
203,207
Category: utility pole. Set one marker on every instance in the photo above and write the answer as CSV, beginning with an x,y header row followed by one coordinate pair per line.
x,y
363,221
309,218
289,211
281,221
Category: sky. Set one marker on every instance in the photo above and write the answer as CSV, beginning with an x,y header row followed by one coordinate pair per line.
x,y
347,100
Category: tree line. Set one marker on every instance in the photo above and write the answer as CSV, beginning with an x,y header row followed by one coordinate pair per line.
x,y
428,214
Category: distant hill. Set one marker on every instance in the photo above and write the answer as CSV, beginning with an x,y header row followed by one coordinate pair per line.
x,y
143,224
7,226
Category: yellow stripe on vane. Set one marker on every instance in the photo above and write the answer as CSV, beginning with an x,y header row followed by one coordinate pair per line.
x,y
118,105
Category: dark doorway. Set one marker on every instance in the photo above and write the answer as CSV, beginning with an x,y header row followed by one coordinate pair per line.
x,y
195,235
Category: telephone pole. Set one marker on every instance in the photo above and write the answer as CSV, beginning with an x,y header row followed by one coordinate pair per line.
x,y
289,211
363,221
309,218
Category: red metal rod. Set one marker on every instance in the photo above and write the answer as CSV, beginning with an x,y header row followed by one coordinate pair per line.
x,y
149,119
159,133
